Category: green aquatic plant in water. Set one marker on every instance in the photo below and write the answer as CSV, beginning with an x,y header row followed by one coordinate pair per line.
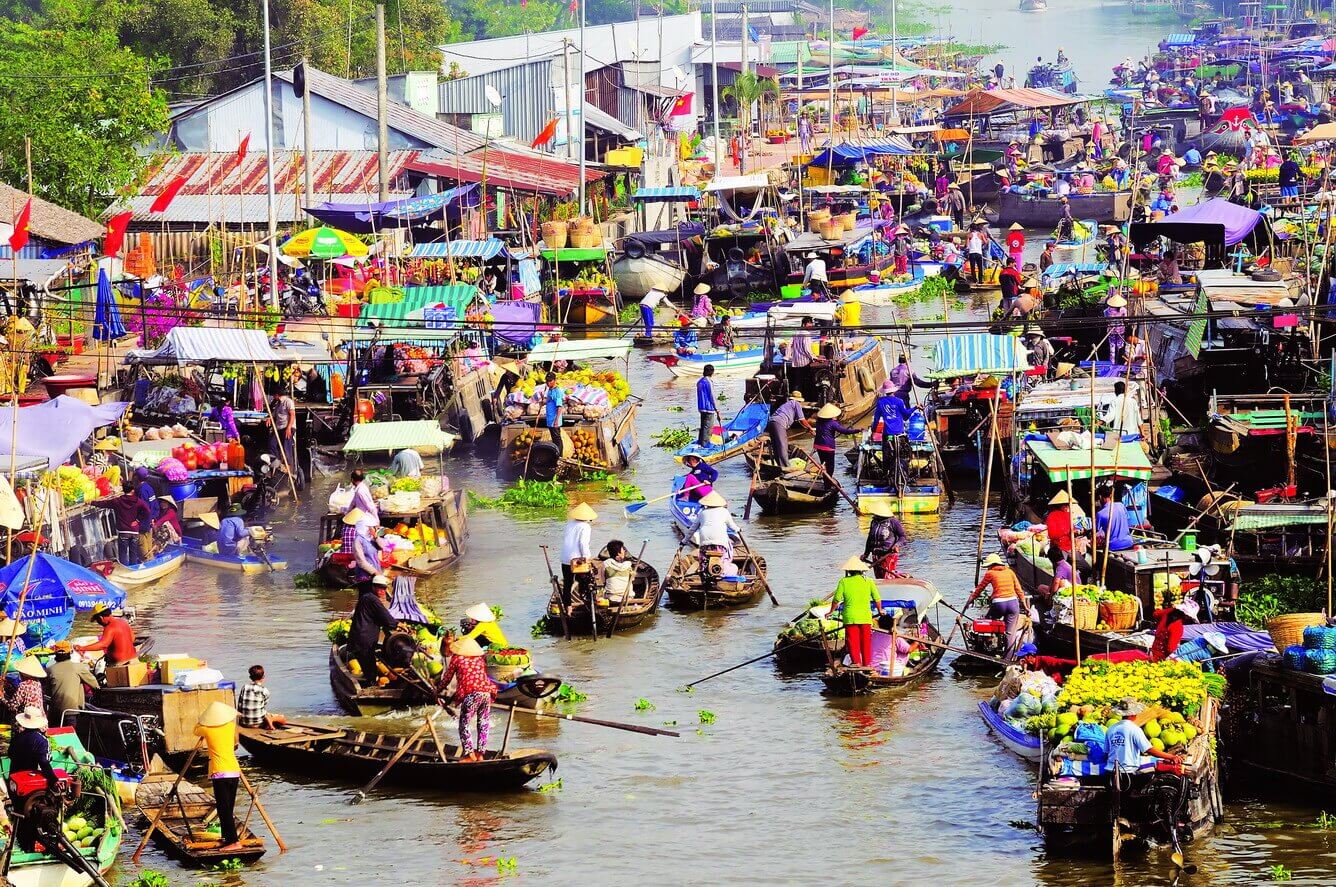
x,y
545,495
674,438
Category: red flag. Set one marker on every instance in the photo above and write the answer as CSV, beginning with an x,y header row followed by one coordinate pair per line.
x,y
19,239
546,135
682,105
859,32
115,238
168,194
575,4
241,149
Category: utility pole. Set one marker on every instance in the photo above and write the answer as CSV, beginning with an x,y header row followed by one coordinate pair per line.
x,y
714,79
269,161
744,116
831,72
566,93
382,108
895,65
306,133
582,107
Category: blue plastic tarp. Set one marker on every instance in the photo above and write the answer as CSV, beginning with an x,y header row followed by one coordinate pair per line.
x,y
56,588
52,431
848,155
968,355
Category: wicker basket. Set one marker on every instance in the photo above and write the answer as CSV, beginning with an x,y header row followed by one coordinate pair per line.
x,y
554,234
831,230
1288,630
847,221
1121,615
1085,614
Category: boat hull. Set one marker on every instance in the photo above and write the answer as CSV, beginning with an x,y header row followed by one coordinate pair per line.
x,y
149,571
635,276
843,681
195,554
915,502
1023,744
1045,212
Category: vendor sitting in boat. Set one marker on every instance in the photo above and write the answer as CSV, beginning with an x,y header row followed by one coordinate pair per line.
x,y
722,336
618,571
230,536
714,524
700,478
479,624
684,340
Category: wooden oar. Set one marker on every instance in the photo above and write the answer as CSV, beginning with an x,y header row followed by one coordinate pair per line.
x,y
556,595
756,471
616,725
823,635
634,507
264,814
765,582
153,826
403,750
826,474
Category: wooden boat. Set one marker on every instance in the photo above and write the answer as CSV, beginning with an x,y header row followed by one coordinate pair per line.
x,y
689,588
527,450
1090,811
250,563
167,562
915,490
841,680
682,508
1020,742
726,363
642,603
635,275
188,830
445,516
799,644
742,433
906,601
527,691
796,491
1104,207
885,292
1077,240
357,755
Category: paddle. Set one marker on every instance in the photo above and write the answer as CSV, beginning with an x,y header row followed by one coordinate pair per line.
x,y
826,474
634,507
403,750
616,725
794,643
756,471
556,594
760,570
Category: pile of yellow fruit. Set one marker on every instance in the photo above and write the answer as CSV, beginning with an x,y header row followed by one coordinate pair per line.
x,y
1174,684
586,446
611,381
519,447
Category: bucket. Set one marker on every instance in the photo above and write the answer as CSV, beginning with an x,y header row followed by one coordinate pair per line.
x,y
187,490
1190,541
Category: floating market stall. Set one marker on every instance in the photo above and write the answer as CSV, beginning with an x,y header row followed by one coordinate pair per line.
x,y
424,520
578,285
961,414
1083,799
598,431
846,370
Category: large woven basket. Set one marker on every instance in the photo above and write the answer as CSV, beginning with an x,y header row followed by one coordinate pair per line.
x,y
1288,630
1085,614
554,234
1120,615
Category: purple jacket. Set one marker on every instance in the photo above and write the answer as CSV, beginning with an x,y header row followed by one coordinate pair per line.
x,y
826,429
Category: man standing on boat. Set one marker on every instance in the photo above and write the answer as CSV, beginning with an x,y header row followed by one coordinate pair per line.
x,y
554,407
370,617
648,305
800,355
816,278
884,538
974,247
787,415
117,638
575,549
706,405
955,205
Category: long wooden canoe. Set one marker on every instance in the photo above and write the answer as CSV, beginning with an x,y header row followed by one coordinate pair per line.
x,y
642,603
689,589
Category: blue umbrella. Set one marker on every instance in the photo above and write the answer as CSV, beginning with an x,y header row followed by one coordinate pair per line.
x,y
106,316
56,589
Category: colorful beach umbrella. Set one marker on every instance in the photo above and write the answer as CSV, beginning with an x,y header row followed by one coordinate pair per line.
x,y
106,315
56,589
324,243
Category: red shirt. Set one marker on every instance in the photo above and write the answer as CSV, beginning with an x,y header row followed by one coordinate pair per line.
x,y
1168,635
1059,523
118,639
471,672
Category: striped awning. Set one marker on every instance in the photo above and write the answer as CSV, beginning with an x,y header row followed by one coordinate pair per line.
x,y
392,436
1179,40
459,249
415,299
1274,517
978,353
1128,461
667,195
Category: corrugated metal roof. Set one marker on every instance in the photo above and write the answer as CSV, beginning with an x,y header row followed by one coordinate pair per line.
x,y
601,119
520,172
48,221
234,209
995,101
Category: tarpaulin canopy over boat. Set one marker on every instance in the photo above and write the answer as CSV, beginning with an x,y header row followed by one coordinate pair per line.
x,y
56,588
458,249
368,218
970,354
202,344
674,194
1127,461
1216,222
982,102
393,436
49,433
850,153
683,231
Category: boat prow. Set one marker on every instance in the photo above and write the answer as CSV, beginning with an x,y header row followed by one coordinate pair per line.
x,y
169,561
1018,741
194,552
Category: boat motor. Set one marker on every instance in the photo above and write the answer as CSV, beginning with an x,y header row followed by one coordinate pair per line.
x,y
39,807
712,560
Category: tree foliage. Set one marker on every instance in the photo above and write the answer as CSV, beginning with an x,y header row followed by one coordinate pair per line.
x,y
87,106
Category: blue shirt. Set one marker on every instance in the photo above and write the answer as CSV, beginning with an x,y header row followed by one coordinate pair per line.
x,y
892,412
1111,521
684,339
705,396
789,412
1192,157
1127,743
556,398
231,531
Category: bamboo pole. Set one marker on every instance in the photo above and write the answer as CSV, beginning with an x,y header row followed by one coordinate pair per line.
x,y
1326,454
282,451
255,796
162,810
987,489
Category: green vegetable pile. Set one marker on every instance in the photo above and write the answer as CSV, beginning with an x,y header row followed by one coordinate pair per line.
x,y
674,438
406,484
337,631
1274,595
526,494
808,628
1094,593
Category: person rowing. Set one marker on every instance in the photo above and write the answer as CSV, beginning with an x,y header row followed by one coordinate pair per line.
x,y
884,538
699,480
714,525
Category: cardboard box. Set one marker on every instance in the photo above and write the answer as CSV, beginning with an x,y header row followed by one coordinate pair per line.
x,y
172,667
134,674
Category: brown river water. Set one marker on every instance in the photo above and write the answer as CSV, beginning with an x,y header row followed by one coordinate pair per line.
x,y
785,786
